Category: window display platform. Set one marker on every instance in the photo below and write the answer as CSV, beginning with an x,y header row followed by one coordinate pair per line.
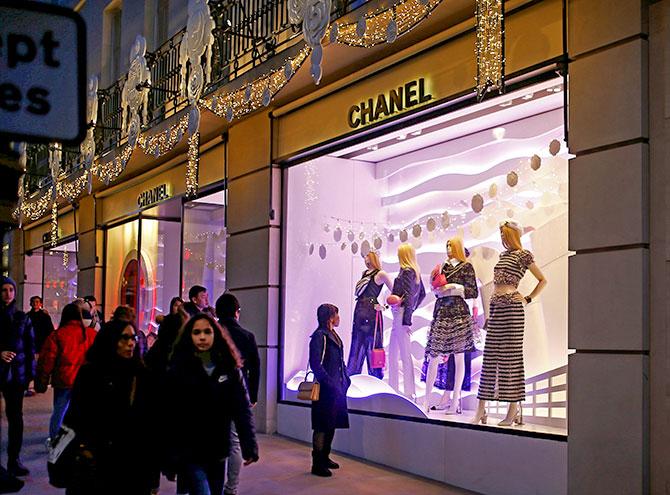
x,y
504,461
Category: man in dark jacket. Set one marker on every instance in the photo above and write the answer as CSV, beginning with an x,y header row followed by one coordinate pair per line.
x,y
198,301
42,324
17,369
228,312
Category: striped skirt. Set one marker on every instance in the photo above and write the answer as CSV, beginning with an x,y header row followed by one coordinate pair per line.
x,y
502,376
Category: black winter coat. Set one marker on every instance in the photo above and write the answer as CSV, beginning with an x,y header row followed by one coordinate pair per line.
x,y
330,411
201,408
42,327
16,335
245,341
111,420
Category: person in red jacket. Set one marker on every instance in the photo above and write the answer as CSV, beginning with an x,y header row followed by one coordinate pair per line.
x,y
62,355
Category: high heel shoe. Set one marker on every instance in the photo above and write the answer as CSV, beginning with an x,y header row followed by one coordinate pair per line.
x,y
454,410
482,419
517,419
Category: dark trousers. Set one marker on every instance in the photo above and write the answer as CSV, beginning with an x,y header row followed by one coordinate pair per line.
x,y
321,444
13,395
361,348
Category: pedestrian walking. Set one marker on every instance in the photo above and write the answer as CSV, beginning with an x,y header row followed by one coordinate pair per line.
x,y
329,412
108,410
64,352
42,324
228,311
17,369
198,301
207,393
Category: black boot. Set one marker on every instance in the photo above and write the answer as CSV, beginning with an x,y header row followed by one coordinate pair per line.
x,y
318,469
320,455
331,464
16,467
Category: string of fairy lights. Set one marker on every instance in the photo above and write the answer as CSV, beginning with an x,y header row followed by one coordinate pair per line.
x,y
384,25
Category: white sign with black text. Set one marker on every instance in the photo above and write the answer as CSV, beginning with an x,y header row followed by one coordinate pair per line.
x,y
42,73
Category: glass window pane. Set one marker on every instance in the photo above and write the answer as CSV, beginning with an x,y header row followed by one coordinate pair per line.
x,y
205,245
122,267
60,279
159,281
32,286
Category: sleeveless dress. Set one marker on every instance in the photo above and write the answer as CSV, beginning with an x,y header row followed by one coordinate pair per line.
x,y
363,330
502,376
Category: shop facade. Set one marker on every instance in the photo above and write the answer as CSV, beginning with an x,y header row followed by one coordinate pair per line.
x,y
381,156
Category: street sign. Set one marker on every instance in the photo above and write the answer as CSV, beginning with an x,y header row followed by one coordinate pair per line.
x,y
42,73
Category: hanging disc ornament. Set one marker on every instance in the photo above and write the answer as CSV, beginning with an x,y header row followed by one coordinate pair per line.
x,y
288,70
416,231
311,249
403,236
322,252
361,27
477,203
530,205
535,162
431,224
377,243
350,236
392,31
334,31
390,237
343,246
354,247
554,147
493,190
445,220
365,248
326,228
512,179
361,235
337,234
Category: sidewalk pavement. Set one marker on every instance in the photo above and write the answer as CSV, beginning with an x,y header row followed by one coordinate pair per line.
x,y
282,469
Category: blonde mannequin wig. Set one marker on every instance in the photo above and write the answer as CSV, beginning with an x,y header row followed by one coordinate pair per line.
x,y
407,259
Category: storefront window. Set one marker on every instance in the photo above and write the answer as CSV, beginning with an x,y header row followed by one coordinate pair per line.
x,y
60,279
122,267
204,250
33,266
458,175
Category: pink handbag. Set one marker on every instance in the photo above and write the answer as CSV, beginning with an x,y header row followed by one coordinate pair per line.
x,y
377,356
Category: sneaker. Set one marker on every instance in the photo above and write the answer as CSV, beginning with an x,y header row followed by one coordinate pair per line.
x,y
321,471
17,468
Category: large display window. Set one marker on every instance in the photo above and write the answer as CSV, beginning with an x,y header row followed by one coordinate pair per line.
x,y
454,177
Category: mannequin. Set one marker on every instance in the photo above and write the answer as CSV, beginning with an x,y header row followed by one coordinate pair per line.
x,y
409,288
451,331
502,376
366,313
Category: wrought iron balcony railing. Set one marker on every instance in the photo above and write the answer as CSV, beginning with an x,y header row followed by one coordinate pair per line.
x,y
247,34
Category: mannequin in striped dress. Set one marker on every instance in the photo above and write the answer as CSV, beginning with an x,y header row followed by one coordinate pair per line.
x,y
502,376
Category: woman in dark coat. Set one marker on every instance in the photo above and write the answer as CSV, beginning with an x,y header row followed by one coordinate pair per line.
x,y
108,411
326,358
206,394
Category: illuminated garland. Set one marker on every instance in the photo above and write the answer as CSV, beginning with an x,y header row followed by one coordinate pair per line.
x,y
193,165
490,46
110,170
34,209
383,26
54,224
161,143
70,189
256,94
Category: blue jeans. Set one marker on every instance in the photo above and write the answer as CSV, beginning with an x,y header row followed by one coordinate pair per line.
x,y
206,479
61,403
234,461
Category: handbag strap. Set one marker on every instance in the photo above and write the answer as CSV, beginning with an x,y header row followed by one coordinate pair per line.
x,y
323,355
378,320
